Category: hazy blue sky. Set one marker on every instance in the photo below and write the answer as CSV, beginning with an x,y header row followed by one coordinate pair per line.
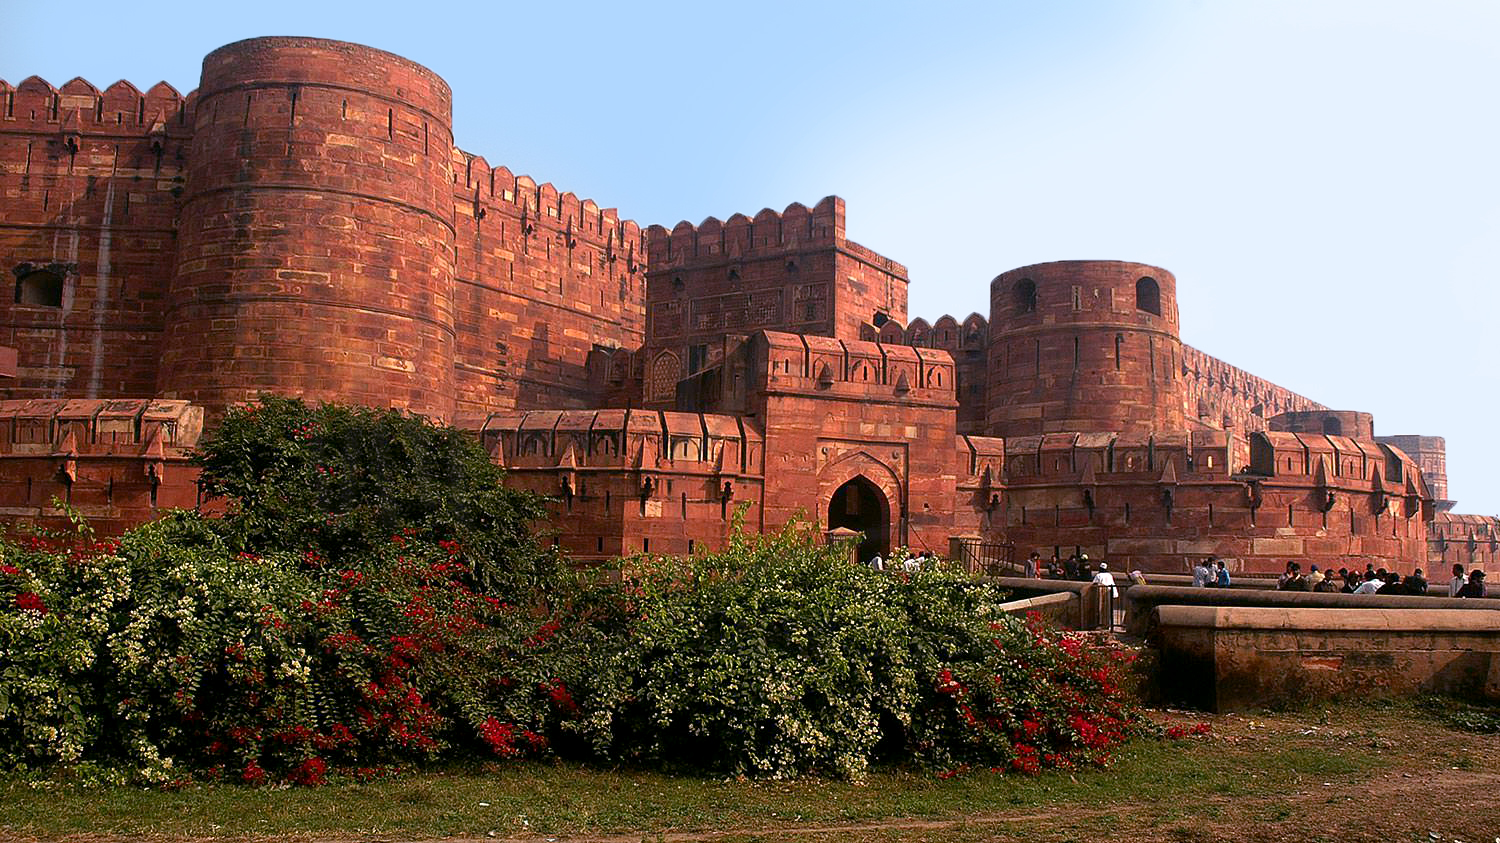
x,y
1321,177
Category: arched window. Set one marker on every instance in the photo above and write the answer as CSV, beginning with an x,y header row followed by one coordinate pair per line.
x,y
1025,295
665,370
1148,296
41,287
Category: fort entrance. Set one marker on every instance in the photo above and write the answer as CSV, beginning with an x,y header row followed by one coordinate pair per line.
x,y
860,505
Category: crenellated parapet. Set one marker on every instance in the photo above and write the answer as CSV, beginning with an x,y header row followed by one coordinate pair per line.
x,y
117,462
562,274
1472,541
78,107
621,481
1151,501
793,229
1221,396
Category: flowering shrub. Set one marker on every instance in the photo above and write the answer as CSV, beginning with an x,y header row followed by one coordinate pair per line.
x,y
54,606
336,480
313,629
777,658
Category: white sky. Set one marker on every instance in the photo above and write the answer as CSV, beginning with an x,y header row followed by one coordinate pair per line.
x,y
1321,177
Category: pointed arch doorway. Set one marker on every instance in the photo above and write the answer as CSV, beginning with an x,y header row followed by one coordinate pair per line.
x,y
860,505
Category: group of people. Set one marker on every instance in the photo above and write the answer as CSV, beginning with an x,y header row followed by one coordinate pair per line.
x,y
909,563
1078,568
1211,572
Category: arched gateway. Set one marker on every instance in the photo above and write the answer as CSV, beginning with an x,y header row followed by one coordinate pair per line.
x,y
860,505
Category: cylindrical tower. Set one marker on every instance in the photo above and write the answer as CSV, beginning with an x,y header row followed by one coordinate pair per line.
x,y
1086,346
315,254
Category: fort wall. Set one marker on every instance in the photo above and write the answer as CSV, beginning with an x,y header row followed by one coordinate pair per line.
x,y
90,182
1221,396
1155,501
116,462
543,278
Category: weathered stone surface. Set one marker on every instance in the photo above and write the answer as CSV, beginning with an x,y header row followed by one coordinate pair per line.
x,y
1230,659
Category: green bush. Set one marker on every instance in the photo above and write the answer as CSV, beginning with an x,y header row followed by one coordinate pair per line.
x,y
778,658
341,480
339,615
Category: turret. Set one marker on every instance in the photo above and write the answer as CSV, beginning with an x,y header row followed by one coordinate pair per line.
x,y
1084,346
316,244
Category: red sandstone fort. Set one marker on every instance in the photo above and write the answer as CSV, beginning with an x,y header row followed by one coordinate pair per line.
x,y
303,224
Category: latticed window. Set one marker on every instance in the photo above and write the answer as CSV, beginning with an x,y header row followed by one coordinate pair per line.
x,y
662,383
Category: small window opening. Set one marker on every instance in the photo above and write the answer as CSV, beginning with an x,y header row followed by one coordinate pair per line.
x,y
1148,296
42,288
1025,296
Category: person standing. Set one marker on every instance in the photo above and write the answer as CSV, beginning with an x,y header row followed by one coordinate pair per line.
x,y
1457,583
1221,574
1201,574
1105,579
1032,563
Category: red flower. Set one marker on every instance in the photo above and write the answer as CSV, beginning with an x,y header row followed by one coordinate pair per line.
x,y
28,600
946,684
253,773
560,696
10,570
311,773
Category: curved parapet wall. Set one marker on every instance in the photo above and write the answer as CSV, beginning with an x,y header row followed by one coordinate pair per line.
x,y
316,244
1159,501
1084,346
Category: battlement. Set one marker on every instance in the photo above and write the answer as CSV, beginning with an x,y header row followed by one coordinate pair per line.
x,y
79,106
797,362
98,426
117,462
795,227
645,440
543,204
1222,396
946,333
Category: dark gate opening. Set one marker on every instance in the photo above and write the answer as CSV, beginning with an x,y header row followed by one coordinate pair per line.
x,y
859,505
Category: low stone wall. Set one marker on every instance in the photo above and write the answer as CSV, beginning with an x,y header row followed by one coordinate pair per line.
x,y
1237,658
1062,608
1140,600
1094,607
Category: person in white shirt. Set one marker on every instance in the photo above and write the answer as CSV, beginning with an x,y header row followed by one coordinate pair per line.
x,y
1457,583
1370,586
1201,574
1105,578
877,564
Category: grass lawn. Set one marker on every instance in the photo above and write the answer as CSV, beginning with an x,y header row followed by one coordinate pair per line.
x,y
1361,772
